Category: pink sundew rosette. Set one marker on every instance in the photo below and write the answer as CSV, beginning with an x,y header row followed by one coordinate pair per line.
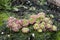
x,y
42,15
13,24
20,21
25,22
32,19
16,27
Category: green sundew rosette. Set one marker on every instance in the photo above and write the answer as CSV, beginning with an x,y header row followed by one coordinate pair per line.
x,y
36,26
38,20
32,20
25,22
42,16
42,26
43,23
48,26
39,30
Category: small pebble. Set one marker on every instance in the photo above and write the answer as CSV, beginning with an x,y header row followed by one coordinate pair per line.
x,y
2,32
8,35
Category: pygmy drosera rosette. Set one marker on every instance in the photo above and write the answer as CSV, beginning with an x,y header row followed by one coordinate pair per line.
x,y
36,26
25,30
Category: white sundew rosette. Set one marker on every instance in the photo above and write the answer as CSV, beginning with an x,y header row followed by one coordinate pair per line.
x,y
46,19
51,15
41,13
54,28
50,22
25,30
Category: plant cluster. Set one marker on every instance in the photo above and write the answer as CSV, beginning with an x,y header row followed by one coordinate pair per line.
x,y
39,23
